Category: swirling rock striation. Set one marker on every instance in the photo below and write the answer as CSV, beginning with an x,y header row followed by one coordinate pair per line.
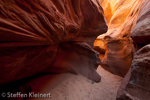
x,y
135,85
121,18
54,36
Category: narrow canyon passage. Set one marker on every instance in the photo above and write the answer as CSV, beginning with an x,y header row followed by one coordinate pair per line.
x,y
125,46
74,50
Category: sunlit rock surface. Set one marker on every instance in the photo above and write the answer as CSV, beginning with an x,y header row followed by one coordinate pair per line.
x,y
135,85
118,55
121,11
49,36
121,17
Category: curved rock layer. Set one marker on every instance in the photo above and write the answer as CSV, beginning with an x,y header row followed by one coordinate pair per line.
x,y
136,84
118,55
121,17
117,12
49,36
141,31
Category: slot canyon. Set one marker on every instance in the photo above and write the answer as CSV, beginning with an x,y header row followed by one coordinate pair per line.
x,y
74,50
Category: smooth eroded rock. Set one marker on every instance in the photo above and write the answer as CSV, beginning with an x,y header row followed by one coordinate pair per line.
x,y
121,18
49,36
118,56
136,83
141,31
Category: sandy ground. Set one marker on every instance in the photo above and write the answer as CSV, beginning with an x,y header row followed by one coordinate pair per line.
x,y
77,87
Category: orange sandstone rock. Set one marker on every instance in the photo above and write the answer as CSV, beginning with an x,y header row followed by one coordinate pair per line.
x,y
118,56
135,85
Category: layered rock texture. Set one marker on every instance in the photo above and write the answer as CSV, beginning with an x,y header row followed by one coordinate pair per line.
x,y
118,55
121,17
135,85
57,36
53,36
126,46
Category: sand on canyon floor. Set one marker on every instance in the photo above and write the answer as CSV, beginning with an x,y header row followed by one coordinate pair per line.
x,y
77,87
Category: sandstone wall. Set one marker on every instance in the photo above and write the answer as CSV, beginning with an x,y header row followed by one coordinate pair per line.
x,y
38,36
135,86
121,17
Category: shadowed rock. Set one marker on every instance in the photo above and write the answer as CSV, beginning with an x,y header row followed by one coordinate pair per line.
x,y
49,36
141,31
135,86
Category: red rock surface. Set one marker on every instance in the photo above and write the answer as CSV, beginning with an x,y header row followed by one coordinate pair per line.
x,y
49,36
136,83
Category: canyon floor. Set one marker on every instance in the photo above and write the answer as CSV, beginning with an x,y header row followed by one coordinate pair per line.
x,y
77,87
